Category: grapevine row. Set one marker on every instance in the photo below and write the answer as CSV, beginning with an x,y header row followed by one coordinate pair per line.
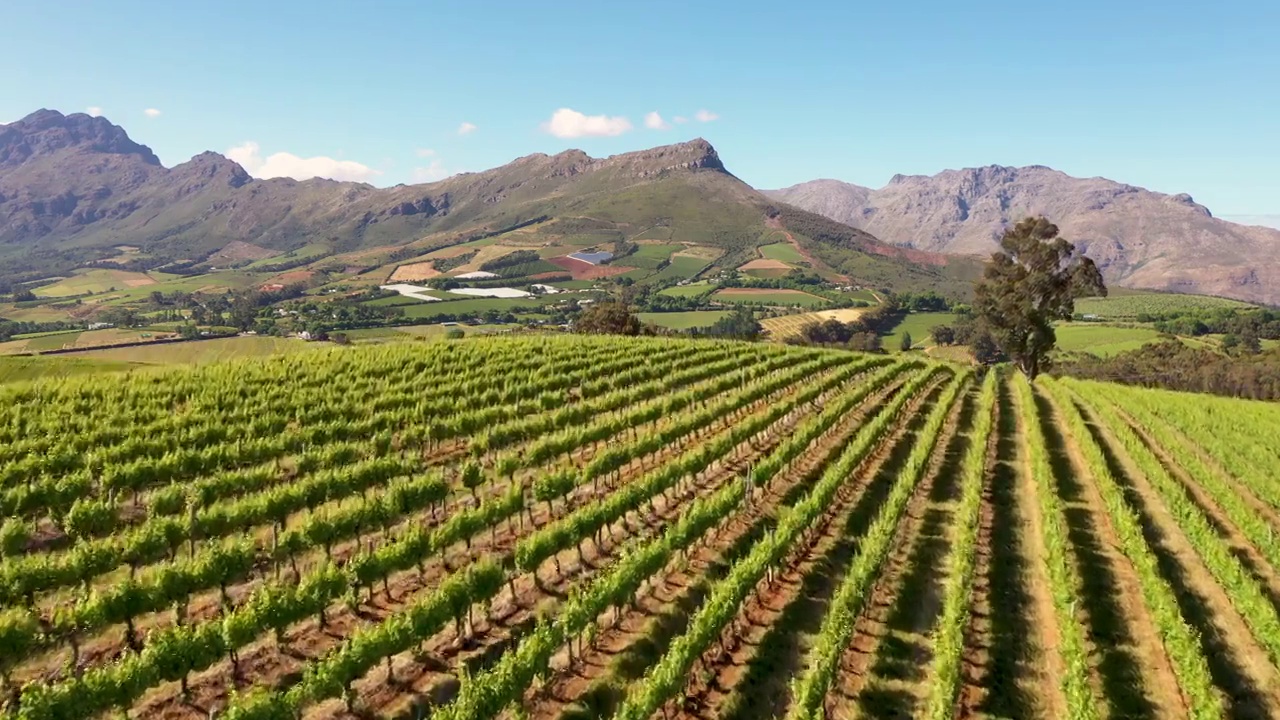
x,y
486,695
810,689
1254,526
196,641
1246,595
670,674
948,637
1180,640
1064,583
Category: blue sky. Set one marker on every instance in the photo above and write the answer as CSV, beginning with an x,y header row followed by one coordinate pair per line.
x,y
1176,96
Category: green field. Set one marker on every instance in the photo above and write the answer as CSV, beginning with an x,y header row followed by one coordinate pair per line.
x,y
919,325
201,351
650,256
28,336
770,297
683,320
1102,340
404,332
95,281
397,300
691,290
315,250
428,310
863,295
574,284
784,251
1129,306
51,341
15,369
818,506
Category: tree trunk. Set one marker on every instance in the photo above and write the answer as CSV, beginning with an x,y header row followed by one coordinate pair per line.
x,y
131,634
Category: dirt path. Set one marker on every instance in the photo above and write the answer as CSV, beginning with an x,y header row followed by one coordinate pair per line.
x,y
623,650
1013,665
1131,671
884,666
1238,664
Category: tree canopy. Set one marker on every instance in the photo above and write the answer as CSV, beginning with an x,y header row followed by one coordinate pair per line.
x,y
611,318
1032,282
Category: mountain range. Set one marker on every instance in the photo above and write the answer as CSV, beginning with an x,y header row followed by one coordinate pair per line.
x,y
1138,237
74,188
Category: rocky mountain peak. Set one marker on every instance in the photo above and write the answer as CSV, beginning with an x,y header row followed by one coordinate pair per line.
x,y
696,154
1140,238
212,167
49,132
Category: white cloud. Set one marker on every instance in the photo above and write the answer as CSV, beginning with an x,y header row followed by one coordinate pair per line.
x,y
424,152
283,164
567,123
680,119
151,113
433,171
705,116
654,121
94,111
466,128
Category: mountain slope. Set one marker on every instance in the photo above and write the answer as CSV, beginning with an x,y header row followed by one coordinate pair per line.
x,y
1138,237
74,187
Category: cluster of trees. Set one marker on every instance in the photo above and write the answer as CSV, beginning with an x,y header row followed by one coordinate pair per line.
x,y
969,330
1245,327
1029,285
927,301
608,318
797,279
10,328
862,334
449,263
1176,366
519,257
741,324
833,333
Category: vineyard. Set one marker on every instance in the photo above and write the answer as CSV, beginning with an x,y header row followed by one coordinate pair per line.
x,y
587,527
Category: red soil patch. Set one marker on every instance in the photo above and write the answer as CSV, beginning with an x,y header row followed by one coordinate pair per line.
x,y
746,292
582,270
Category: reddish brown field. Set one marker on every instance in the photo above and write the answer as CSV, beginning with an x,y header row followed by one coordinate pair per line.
x,y
581,270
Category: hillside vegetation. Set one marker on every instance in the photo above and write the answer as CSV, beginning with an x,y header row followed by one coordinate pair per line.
x,y
133,222
625,527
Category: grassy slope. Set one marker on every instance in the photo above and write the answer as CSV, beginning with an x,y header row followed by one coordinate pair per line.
x,y
202,351
772,297
919,325
1103,340
15,369
683,320
786,252
1130,305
